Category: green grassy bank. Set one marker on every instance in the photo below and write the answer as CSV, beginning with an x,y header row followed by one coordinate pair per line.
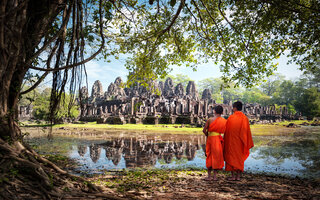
x,y
257,129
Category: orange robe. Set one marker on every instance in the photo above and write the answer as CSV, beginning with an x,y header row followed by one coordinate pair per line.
x,y
214,148
237,141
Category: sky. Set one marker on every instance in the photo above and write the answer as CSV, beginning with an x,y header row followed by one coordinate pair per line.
x,y
108,72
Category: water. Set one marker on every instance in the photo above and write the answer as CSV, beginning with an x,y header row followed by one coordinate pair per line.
x,y
295,154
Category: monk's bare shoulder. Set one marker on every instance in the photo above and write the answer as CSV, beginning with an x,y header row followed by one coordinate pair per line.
x,y
211,119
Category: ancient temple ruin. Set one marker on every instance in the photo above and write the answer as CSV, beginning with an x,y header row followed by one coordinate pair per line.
x,y
168,104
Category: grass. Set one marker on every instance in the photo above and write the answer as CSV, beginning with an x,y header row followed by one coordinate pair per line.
x,y
139,127
144,180
257,129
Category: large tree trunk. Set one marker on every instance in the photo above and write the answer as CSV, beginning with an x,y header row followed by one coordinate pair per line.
x,y
23,24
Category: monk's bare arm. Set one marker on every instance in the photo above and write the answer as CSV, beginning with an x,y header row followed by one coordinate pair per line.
x,y
205,128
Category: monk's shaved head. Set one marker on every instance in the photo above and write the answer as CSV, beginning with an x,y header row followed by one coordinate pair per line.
x,y
218,109
237,105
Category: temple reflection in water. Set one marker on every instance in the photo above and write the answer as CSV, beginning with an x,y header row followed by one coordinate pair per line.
x,y
144,152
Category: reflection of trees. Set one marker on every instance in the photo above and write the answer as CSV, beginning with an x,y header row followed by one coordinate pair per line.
x,y
302,150
82,149
144,152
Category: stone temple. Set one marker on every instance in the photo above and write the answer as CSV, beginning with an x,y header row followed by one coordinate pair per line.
x,y
168,104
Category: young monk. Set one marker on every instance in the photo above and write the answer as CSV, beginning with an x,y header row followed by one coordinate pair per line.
x,y
213,129
237,142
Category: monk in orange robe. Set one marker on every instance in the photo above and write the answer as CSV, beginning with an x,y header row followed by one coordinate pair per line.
x,y
237,141
213,129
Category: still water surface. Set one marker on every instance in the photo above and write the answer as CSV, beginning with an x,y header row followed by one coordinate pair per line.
x,y
295,154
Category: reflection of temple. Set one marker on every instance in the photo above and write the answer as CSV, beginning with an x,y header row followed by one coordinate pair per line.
x,y
82,149
170,104
114,151
145,152
95,151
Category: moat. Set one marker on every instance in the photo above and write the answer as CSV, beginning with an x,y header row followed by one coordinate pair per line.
x,y
293,154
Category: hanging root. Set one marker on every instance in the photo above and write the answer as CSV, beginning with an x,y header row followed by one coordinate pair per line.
x,y
24,174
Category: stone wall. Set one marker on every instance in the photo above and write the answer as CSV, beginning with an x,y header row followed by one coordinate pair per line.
x,y
173,105
25,112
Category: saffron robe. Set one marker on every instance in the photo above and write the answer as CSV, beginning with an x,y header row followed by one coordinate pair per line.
x,y
237,141
214,147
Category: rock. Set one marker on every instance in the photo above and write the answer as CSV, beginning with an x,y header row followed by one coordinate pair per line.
x,y
206,94
168,88
97,90
305,124
118,81
161,86
292,125
192,90
83,93
315,124
115,91
179,90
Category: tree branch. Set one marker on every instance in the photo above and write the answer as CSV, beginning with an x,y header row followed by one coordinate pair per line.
x,y
182,3
219,31
83,61
36,84
219,8
62,28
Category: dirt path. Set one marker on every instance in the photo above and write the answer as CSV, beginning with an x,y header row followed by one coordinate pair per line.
x,y
190,185
250,187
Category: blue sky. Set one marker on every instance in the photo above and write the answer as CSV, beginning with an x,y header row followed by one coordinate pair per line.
x,y
107,72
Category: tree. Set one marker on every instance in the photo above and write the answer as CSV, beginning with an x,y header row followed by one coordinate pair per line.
x,y
48,36
272,84
255,96
309,103
220,91
286,94
312,77
243,44
41,107
215,85
60,36
51,36
183,79
178,78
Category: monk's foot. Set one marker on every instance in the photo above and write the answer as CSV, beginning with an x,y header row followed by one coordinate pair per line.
x,y
207,179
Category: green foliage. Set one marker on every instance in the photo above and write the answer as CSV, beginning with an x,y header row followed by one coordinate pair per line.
x,y
301,95
178,78
256,96
221,92
309,103
291,109
28,98
272,84
42,104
